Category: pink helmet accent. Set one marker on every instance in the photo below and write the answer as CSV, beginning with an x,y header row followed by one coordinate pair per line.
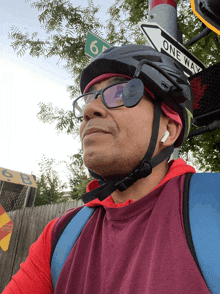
x,y
166,109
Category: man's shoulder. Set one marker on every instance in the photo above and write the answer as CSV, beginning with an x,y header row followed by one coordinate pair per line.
x,y
62,220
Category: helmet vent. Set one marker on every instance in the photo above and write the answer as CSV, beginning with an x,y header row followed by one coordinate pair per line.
x,y
149,57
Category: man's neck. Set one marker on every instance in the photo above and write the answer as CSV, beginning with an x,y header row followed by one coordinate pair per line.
x,y
143,186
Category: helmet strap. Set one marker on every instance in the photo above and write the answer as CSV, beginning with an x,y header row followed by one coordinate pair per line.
x,y
143,170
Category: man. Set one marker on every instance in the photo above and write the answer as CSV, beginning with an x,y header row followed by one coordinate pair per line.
x,y
136,106
113,142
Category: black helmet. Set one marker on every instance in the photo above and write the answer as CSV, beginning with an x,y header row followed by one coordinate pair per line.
x,y
162,76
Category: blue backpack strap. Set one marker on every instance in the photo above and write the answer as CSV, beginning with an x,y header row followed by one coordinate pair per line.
x,y
67,240
202,224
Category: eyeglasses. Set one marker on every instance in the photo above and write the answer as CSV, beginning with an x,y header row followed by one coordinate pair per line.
x,y
111,98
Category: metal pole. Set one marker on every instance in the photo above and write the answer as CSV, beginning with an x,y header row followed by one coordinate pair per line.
x,y
26,197
1,186
164,13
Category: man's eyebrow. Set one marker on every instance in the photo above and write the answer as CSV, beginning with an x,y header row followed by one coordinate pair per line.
x,y
112,81
91,89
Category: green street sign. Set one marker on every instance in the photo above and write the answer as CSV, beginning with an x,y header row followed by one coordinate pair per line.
x,y
95,45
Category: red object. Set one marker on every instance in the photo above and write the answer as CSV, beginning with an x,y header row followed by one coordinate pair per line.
x,y
6,228
158,2
198,91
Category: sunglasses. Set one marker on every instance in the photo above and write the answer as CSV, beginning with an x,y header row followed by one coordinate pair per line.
x,y
111,98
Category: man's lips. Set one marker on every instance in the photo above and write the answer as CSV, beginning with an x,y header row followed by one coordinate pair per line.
x,y
90,131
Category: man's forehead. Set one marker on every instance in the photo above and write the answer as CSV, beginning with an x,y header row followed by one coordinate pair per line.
x,y
110,81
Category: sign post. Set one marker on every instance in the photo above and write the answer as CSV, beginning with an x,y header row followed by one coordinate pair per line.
x,y
164,13
165,43
95,45
12,176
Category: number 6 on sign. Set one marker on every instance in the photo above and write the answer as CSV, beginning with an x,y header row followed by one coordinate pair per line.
x,y
95,45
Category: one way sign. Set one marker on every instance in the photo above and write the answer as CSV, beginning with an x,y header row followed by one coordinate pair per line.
x,y
165,43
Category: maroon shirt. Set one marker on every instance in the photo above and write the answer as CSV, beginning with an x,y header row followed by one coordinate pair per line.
x,y
138,248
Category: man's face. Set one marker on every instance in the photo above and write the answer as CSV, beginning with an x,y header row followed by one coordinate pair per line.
x,y
127,134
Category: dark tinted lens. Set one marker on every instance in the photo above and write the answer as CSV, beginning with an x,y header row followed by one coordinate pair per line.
x,y
113,95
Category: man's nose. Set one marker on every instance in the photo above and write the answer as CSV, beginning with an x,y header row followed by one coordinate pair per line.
x,y
94,108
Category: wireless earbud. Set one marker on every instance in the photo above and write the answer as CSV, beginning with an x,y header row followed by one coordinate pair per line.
x,y
132,93
166,135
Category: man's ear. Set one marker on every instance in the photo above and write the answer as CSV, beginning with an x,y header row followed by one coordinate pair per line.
x,y
174,130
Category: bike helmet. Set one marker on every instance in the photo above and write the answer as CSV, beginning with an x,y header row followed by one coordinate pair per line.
x,y
162,76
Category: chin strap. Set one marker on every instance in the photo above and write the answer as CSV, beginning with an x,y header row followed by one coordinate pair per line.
x,y
143,170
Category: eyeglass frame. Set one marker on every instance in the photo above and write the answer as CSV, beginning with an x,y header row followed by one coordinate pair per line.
x,y
96,94
100,92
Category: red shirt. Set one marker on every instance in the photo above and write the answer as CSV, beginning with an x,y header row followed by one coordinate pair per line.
x,y
140,248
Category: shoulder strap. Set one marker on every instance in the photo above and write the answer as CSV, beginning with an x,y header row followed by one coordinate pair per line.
x,y
67,240
201,213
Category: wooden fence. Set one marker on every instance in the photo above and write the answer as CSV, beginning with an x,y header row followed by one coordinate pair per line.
x,y
29,223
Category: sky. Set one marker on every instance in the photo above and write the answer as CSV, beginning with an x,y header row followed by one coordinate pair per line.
x,y
24,83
